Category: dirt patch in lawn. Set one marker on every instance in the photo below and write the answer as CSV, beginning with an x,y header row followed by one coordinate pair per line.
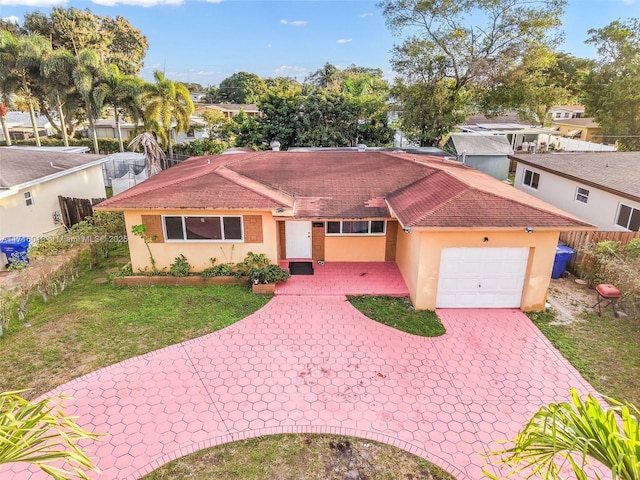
x,y
570,298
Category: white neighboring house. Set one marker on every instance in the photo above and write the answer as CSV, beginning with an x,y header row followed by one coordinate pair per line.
x,y
602,188
566,111
30,182
20,126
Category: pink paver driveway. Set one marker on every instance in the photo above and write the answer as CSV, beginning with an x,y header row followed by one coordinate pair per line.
x,y
315,364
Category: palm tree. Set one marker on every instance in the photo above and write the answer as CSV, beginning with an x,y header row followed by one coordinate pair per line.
x,y
87,75
564,436
39,433
57,70
21,57
153,154
167,102
123,94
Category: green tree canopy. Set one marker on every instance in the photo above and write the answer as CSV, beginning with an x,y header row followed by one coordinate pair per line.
x,y
116,41
241,87
611,92
455,47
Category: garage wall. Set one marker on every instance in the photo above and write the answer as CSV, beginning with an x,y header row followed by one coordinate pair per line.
x,y
542,250
408,260
198,253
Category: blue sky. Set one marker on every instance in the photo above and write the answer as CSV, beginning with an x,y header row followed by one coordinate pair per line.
x,y
207,41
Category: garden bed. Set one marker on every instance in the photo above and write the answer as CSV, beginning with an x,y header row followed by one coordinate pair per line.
x,y
168,280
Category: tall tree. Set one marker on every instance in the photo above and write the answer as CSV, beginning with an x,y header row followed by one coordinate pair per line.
x,y
456,54
88,75
123,93
57,70
328,119
114,40
246,130
21,58
612,89
241,87
280,113
168,102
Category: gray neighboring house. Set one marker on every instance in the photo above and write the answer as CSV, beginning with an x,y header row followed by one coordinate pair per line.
x,y
485,152
602,188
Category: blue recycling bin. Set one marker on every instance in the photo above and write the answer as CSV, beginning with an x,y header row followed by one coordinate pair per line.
x,y
15,249
563,257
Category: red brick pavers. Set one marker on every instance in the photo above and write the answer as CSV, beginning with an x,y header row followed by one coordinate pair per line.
x,y
314,364
347,278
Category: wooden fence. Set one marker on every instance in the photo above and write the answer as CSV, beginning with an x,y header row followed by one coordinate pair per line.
x,y
75,210
576,240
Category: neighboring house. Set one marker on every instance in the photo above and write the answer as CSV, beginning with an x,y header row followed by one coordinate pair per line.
x,y
30,182
197,130
20,126
199,97
585,129
521,136
229,110
601,188
106,128
566,111
459,237
486,152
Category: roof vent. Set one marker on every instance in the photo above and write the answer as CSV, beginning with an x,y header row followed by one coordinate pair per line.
x,y
275,145
362,147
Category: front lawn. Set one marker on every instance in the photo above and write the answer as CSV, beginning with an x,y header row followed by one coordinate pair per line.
x,y
398,312
93,325
300,457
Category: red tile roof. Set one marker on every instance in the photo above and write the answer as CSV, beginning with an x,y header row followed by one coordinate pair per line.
x,y
422,191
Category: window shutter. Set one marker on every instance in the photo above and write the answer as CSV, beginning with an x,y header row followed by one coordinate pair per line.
x,y
153,223
252,228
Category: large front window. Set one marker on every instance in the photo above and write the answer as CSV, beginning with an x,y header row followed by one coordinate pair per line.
x,y
222,228
356,227
629,218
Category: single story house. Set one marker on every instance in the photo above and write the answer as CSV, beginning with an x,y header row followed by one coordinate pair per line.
x,y
21,128
30,182
487,152
229,110
602,188
581,128
566,111
459,237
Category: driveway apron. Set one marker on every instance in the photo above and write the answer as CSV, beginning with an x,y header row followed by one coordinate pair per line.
x,y
315,364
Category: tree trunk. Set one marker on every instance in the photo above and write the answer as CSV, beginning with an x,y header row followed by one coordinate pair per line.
x,y
5,130
63,126
116,116
170,141
94,134
32,114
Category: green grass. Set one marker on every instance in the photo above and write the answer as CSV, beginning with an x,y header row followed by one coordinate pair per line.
x,y
92,325
398,312
300,457
605,350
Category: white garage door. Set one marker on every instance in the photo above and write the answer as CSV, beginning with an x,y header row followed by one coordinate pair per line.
x,y
481,277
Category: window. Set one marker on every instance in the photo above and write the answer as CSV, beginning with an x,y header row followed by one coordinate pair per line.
x,y
28,199
223,228
582,195
629,218
357,227
531,179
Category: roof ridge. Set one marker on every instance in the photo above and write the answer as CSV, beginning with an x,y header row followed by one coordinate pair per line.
x,y
254,185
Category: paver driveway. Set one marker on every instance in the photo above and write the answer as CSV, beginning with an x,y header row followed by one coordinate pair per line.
x,y
314,364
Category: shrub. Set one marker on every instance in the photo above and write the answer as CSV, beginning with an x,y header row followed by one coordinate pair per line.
x,y
222,270
259,269
180,267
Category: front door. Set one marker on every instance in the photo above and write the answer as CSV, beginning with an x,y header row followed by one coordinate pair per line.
x,y
298,239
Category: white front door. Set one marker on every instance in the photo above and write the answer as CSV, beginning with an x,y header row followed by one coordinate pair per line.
x,y
481,277
298,239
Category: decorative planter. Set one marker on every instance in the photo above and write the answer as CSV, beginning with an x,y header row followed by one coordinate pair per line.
x,y
263,288
192,280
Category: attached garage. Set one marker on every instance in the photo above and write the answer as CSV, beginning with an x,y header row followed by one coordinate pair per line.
x,y
482,277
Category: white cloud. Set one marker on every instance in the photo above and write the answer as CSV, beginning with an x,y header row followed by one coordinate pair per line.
x,y
33,3
137,3
291,71
628,2
345,40
214,1
293,23
13,19
365,15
